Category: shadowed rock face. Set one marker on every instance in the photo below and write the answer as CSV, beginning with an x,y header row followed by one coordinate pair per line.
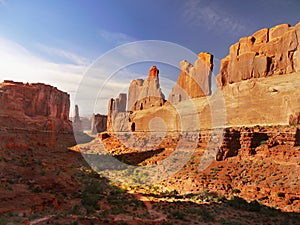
x,y
143,94
77,123
99,123
267,52
37,106
117,117
194,81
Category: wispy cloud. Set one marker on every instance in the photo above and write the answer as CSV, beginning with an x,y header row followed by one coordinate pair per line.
x,y
200,12
19,64
70,57
116,37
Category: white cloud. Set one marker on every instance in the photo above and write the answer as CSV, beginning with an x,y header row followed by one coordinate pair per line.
x,y
16,62
19,64
89,87
73,58
116,37
199,12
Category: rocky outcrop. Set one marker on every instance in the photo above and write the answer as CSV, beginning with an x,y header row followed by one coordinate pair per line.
x,y
99,123
34,106
119,104
117,117
77,123
294,118
267,52
144,94
246,140
194,81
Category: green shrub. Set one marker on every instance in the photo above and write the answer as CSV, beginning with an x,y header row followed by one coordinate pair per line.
x,y
176,214
280,194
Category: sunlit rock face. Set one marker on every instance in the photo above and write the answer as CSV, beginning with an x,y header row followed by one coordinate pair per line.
x,y
194,80
144,94
36,106
267,52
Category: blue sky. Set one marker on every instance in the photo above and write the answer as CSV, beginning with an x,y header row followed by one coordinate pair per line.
x,y
55,41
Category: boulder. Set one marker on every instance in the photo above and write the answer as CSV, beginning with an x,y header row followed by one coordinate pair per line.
x,y
294,118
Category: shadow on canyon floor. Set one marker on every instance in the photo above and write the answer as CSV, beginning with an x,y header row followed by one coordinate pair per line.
x,y
42,183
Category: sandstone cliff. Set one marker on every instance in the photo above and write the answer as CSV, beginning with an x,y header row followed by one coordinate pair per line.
x,y
34,106
259,80
99,123
267,52
117,117
194,81
143,94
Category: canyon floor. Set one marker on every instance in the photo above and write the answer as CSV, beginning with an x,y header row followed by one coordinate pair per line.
x,y
52,184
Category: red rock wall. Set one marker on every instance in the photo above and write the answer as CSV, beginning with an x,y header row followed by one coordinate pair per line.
x,y
36,106
99,123
247,139
266,52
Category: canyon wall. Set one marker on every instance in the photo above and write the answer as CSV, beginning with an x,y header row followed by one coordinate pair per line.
x,y
36,106
118,117
247,140
259,83
267,52
99,123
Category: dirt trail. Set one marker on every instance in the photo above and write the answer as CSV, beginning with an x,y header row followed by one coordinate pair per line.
x,y
158,216
40,220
